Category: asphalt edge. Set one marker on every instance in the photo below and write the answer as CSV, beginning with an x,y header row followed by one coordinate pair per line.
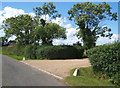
x,y
56,76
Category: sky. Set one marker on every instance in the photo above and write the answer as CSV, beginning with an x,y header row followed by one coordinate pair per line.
x,y
15,8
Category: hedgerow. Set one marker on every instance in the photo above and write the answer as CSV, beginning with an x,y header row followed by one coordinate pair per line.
x,y
46,52
60,52
27,51
105,61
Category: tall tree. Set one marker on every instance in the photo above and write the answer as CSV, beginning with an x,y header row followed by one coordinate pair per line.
x,y
88,17
21,26
47,31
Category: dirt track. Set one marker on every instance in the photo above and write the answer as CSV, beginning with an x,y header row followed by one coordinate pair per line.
x,y
59,67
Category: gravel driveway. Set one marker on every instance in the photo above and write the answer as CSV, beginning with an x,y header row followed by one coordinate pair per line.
x,y
59,67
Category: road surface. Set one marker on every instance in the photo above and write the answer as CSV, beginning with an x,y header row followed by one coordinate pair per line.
x,y
15,73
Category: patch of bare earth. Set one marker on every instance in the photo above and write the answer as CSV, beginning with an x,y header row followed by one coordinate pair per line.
x,y
59,67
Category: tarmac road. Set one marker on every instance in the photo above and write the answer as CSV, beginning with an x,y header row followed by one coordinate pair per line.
x,y
15,73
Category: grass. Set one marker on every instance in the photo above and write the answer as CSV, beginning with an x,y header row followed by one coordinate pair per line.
x,y
86,78
13,56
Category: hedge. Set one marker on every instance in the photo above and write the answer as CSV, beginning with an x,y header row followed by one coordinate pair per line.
x,y
46,52
27,51
105,61
59,52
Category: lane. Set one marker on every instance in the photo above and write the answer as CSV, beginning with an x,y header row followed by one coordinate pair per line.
x,y
15,73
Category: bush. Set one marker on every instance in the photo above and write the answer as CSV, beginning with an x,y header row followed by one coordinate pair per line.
x,y
105,61
59,52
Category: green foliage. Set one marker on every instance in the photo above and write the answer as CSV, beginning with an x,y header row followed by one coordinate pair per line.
x,y
46,52
88,38
14,50
59,52
46,9
27,51
105,61
13,56
88,17
30,51
49,32
21,26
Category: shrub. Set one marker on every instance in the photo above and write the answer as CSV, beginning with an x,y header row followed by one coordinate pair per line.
x,y
59,52
105,61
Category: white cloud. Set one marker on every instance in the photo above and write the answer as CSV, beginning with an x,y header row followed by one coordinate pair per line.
x,y
12,38
71,38
105,40
10,12
68,26
31,14
68,41
46,17
60,21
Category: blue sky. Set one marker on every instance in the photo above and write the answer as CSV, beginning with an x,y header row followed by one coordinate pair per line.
x,y
62,8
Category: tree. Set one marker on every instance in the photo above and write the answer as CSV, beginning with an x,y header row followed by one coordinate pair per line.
x,y
88,17
47,31
21,26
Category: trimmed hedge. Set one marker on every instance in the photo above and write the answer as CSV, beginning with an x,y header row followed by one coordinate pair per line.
x,y
105,61
46,52
20,50
59,52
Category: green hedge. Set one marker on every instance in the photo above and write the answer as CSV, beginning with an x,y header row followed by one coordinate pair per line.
x,y
59,52
46,52
105,61
20,50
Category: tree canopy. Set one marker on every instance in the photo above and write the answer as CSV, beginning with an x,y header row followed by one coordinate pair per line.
x,y
49,32
20,26
46,9
88,17
32,30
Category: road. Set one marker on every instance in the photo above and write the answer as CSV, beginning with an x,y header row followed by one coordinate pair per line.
x,y
15,73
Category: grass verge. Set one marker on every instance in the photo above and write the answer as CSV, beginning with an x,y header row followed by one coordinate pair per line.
x,y
13,56
86,78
